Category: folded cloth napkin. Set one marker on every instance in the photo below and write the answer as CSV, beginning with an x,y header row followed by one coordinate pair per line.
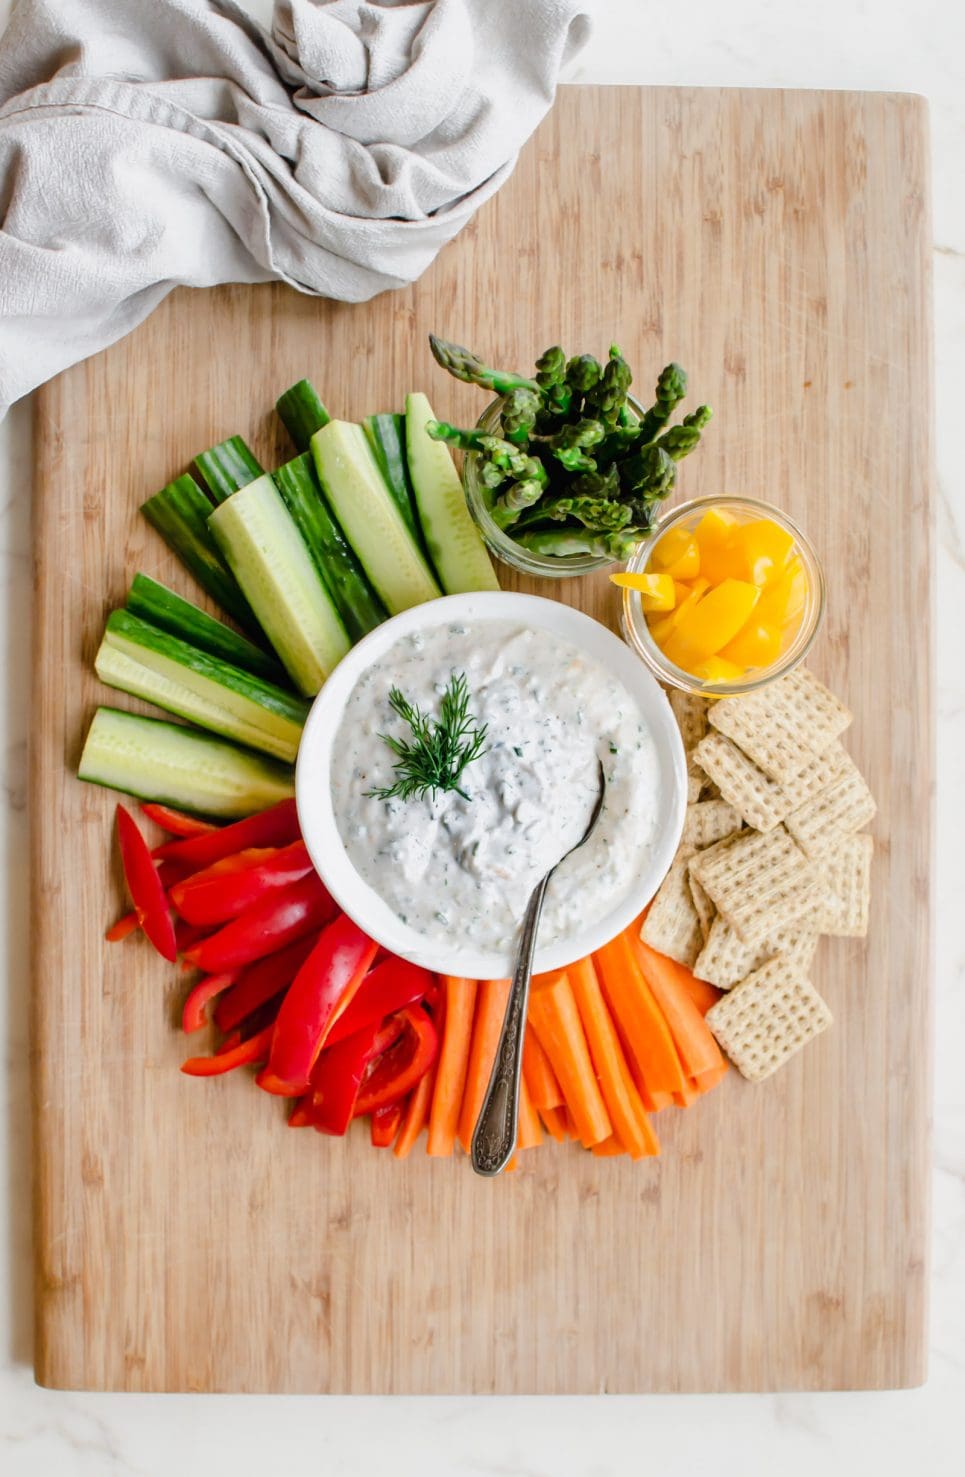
x,y
150,143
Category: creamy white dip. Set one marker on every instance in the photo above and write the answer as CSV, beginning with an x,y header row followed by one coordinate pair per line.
x,y
448,866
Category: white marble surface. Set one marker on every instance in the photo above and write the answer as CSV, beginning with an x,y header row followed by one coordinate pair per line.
x,y
874,44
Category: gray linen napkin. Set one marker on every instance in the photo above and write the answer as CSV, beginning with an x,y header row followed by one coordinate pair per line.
x,y
150,143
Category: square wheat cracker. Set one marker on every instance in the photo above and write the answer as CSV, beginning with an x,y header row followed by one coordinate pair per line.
x,y
784,726
704,908
690,712
708,822
725,959
767,1018
694,786
846,898
759,884
840,809
672,926
758,800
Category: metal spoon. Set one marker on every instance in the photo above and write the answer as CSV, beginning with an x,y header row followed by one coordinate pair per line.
x,y
494,1137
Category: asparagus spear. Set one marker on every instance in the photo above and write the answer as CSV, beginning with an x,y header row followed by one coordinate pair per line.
x,y
671,389
650,471
517,497
462,440
601,515
463,364
518,415
558,543
568,445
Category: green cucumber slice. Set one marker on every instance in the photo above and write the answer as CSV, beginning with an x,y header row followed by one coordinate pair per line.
x,y
161,761
357,494
452,538
267,556
154,602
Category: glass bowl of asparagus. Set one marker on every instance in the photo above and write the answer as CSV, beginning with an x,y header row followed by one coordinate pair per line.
x,y
565,471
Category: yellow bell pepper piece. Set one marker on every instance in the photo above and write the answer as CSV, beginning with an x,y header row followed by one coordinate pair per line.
x,y
661,626
677,554
718,669
757,644
713,534
782,602
656,591
760,551
712,622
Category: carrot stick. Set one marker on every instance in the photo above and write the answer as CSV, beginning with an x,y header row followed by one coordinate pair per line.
x,y
639,1106
416,1113
544,1090
460,1002
701,993
641,1021
707,1080
554,1017
569,1123
541,981
530,1135
608,1148
696,1047
487,1023
619,1094
554,1122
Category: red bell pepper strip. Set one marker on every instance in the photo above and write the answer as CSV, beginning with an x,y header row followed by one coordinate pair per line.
x,y
186,935
144,885
175,822
284,915
255,1049
320,991
261,982
389,987
384,1125
221,891
194,1016
275,827
168,873
301,1115
339,1072
122,928
403,1065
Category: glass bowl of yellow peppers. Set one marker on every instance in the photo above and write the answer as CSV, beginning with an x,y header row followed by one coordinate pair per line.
x,y
725,595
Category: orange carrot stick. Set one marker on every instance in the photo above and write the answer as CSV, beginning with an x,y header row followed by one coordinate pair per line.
x,y
460,998
618,1091
416,1113
696,1047
554,1122
487,1023
644,1030
555,1019
707,1080
608,1148
541,1082
639,1106
701,993
529,1135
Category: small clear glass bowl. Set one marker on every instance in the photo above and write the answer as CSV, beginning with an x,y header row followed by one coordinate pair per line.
x,y
688,515
499,541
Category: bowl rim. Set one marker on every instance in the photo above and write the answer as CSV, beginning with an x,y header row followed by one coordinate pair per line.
x,y
316,811
637,631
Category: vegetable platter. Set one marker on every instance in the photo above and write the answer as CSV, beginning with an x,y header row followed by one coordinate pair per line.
x,y
185,1239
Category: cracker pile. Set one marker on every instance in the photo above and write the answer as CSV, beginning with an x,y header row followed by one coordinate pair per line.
x,y
771,858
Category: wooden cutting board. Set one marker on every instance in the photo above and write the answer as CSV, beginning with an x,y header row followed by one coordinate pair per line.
x,y
776,244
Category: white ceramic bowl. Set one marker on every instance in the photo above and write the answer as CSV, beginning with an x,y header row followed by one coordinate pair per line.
x,y
460,956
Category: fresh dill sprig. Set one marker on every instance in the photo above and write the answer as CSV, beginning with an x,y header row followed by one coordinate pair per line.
x,y
440,749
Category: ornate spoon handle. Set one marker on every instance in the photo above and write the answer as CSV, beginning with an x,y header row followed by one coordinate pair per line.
x,y
494,1138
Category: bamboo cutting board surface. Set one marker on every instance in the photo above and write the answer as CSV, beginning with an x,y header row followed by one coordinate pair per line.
x,y
777,245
